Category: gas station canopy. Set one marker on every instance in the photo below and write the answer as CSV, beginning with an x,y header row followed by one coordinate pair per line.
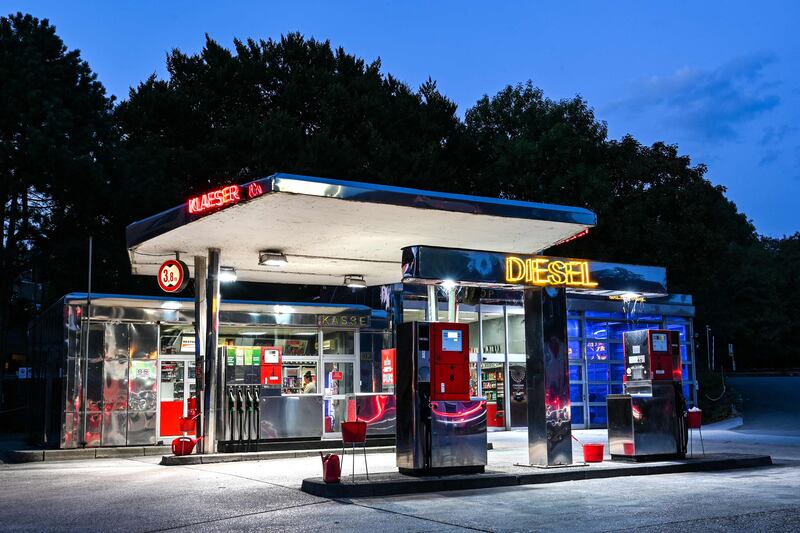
x,y
328,229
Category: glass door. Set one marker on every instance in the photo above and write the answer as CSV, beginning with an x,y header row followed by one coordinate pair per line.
x,y
337,378
175,387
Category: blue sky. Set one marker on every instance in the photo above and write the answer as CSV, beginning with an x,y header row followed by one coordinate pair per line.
x,y
720,79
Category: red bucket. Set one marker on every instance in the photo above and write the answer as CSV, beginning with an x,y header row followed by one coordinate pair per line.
x,y
694,419
354,432
187,424
593,453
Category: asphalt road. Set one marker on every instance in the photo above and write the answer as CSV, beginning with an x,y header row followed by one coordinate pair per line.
x,y
139,495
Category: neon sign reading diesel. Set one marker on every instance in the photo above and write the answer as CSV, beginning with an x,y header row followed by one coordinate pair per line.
x,y
545,271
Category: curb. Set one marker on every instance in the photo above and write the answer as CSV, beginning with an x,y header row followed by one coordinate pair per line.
x,y
205,459
398,484
37,456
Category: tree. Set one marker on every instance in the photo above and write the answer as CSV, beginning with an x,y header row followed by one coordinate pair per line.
x,y
54,129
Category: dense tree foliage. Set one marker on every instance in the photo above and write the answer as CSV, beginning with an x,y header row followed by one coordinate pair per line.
x,y
298,105
55,132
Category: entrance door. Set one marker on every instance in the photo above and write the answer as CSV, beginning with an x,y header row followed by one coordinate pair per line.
x,y
338,378
176,386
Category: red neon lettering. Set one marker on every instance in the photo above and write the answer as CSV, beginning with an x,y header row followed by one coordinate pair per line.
x,y
218,198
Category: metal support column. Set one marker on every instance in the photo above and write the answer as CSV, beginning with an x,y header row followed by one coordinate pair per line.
x,y
452,305
480,350
432,311
214,390
547,377
200,311
506,373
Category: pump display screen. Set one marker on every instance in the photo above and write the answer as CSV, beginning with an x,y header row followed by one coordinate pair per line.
x,y
451,340
660,342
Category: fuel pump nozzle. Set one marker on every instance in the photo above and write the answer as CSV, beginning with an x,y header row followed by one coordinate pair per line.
x,y
240,412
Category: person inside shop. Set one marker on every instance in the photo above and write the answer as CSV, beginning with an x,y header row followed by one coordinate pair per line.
x,y
309,385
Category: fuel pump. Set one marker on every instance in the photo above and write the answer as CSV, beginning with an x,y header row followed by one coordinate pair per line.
x,y
240,413
440,428
647,422
230,432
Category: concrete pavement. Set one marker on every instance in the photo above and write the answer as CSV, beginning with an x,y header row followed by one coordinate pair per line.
x,y
137,494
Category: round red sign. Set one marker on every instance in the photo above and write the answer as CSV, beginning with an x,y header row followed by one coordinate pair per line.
x,y
173,276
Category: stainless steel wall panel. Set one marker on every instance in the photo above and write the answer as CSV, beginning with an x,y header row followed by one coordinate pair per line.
x,y
284,417
115,428
141,428
143,341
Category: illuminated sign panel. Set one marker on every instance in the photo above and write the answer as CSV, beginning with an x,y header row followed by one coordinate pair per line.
x,y
219,198
548,272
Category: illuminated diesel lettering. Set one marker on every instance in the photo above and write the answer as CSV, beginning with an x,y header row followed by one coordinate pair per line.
x,y
516,270
545,271
557,274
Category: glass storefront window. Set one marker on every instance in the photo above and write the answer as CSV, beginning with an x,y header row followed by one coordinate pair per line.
x,y
493,331
516,333
616,388
300,377
575,393
413,315
617,372
598,393
573,328
338,378
177,340
596,330
574,350
597,372
577,414
371,363
338,342
678,324
575,373
292,341
596,351
684,353
597,415
616,351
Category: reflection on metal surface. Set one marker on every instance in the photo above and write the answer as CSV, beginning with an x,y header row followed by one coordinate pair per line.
x,y
547,375
285,417
458,433
379,411
642,425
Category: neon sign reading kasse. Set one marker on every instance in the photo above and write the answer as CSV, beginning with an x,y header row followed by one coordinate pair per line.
x,y
544,271
219,198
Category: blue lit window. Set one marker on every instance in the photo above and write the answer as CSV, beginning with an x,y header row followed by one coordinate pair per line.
x,y
598,393
684,353
573,329
574,350
616,351
616,388
597,415
597,372
577,414
617,372
596,330
686,391
678,324
575,373
575,393
596,351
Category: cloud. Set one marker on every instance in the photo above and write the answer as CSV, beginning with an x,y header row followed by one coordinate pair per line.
x,y
710,105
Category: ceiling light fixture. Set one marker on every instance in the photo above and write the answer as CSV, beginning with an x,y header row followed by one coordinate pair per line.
x,y
448,284
171,304
355,281
273,258
227,274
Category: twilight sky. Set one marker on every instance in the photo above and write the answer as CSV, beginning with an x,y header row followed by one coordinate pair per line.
x,y
719,79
